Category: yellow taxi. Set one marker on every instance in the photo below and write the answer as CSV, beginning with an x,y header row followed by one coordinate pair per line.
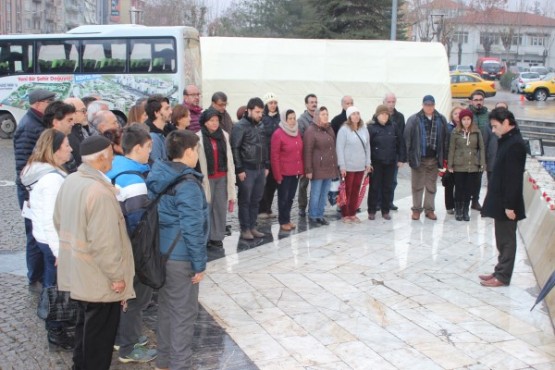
x,y
540,90
463,85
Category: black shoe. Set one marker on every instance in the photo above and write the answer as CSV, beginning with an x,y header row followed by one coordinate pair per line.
x,y
60,338
227,230
216,244
393,207
302,213
323,221
476,205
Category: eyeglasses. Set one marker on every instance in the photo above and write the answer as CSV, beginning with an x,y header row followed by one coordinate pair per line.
x,y
83,110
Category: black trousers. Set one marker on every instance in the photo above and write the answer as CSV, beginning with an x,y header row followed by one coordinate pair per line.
x,y
477,188
95,334
466,184
505,237
449,185
381,184
269,192
286,194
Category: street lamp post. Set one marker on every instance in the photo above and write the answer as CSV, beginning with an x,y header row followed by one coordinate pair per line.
x,y
135,15
394,20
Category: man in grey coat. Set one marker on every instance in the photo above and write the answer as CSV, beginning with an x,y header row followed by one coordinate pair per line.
x,y
304,120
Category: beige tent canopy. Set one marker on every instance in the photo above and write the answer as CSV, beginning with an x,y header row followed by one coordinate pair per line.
x,y
291,68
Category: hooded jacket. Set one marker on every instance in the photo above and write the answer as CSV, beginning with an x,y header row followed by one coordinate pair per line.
x,y
43,182
466,151
95,250
132,195
183,210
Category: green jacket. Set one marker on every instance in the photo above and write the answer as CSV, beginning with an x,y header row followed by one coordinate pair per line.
x,y
481,117
466,151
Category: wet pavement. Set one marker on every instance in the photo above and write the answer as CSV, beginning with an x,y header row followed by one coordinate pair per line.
x,y
387,295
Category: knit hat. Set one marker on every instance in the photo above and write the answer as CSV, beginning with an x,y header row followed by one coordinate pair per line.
x,y
207,114
381,109
428,99
269,97
94,144
40,95
466,113
352,109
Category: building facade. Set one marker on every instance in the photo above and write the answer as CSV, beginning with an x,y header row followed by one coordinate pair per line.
x,y
518,38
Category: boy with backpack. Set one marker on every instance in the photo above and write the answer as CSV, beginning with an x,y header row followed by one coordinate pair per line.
x,y
128,174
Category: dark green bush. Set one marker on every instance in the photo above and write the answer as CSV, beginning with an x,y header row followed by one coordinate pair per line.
x,y
506,79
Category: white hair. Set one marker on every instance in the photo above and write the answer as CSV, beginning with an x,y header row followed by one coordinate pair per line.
x,y
389,94
95,107
95,156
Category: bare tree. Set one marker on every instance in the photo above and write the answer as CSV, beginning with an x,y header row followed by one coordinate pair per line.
x,y
176,13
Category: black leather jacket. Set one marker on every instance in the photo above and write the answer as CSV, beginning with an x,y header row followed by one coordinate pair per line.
x,y
249,146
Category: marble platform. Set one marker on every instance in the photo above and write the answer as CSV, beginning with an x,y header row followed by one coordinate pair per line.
x,y
397,294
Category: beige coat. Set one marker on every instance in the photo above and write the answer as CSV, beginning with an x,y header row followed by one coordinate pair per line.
x,y
204,169
95,250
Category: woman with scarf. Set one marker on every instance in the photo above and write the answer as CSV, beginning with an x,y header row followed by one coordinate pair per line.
x,y
287,164
353,155
448,181
466,161
320,163
44,176
216,164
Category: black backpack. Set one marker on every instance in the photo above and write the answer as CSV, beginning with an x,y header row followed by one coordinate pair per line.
x,y
150,263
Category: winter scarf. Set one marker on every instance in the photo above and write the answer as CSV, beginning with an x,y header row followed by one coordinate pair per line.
x,y
218,135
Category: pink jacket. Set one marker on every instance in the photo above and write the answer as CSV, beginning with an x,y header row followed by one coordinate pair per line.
x,y
286,155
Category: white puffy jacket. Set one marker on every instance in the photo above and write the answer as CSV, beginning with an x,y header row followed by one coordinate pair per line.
x,y
45,181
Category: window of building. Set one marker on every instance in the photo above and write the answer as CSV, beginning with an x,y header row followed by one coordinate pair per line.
x,y
517,40
538,39
460,37
489,38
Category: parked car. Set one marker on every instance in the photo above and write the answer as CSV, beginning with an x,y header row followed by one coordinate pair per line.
x,y
518,83
540,90
463,85
541,70
517,69
461,68
490,68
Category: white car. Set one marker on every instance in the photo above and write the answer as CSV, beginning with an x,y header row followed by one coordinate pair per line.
x,y
518,83
542,71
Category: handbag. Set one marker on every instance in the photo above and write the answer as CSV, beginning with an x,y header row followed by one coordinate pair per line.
x,y
56,305
342,194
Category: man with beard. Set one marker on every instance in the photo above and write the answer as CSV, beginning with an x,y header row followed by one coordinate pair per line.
x,y
80,130
250,154
476,105
159,114
304,120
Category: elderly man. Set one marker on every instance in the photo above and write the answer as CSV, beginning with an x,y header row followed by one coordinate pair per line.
x,y
95,261
80,130
426,140
28,131
346,102
191,99
105,123
219,103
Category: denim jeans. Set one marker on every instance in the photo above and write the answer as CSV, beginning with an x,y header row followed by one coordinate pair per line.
x,y
318,197
34,257
49,279
286,194
250,193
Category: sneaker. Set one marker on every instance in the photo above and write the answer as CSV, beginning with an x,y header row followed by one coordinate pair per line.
x,y
143,341
302,213
393,207
272,215
247,235
227,230
263,216
139,354
323,221
451,211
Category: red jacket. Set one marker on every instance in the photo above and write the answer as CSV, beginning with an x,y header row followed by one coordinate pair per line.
x,y
286,155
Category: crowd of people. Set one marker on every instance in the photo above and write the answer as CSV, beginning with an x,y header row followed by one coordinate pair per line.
x,y
85,178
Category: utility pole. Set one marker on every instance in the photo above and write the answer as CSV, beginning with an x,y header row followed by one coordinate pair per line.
x,y
394,20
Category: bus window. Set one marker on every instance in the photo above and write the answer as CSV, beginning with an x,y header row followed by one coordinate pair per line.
x,y
152,55
16,58
104,55
57,56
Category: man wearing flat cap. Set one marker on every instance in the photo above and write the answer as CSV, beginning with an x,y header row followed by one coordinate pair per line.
x,y
426,140
26,135
95,261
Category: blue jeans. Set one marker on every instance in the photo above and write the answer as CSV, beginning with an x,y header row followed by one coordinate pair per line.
x,y
286,194
318,197
49,279
250,193
34,257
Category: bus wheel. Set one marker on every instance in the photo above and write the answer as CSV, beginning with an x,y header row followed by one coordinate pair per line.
x,y
7,125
